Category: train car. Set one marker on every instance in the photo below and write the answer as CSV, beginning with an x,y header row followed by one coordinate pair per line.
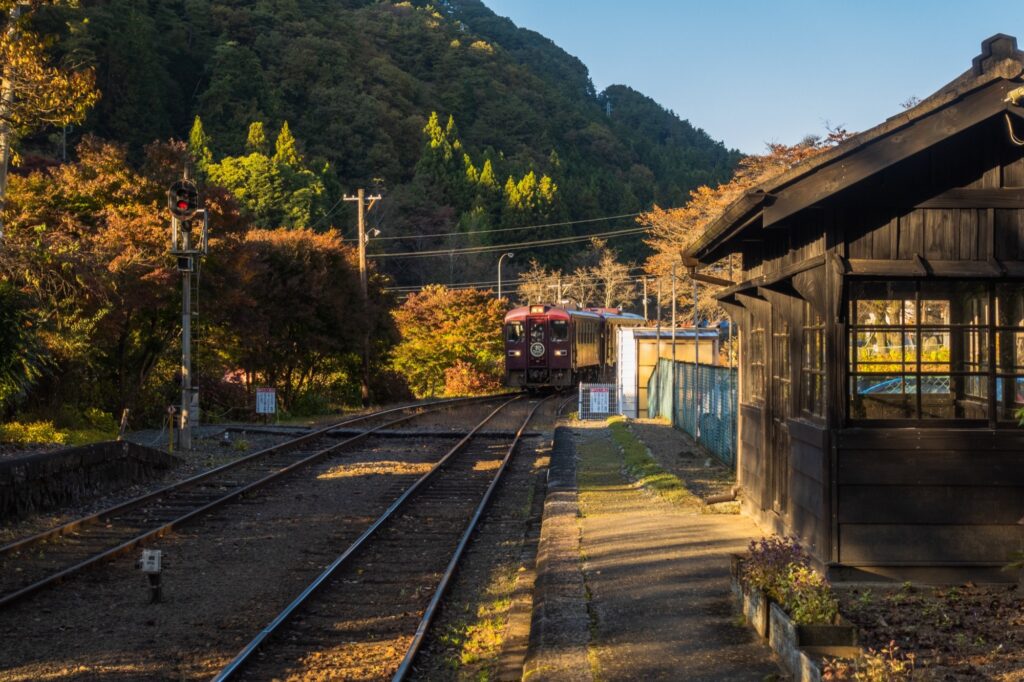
x,y
550,346
612,319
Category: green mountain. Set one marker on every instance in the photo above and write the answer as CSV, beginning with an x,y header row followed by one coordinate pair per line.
x,y
357,81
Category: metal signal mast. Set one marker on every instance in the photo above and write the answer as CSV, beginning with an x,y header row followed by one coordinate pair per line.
x,y
183,204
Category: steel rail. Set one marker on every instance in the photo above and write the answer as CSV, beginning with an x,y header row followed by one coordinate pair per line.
x,y
166,527
71,526
442,588
245,655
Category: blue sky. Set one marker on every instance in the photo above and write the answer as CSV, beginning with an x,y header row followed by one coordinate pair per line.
x,y
755,72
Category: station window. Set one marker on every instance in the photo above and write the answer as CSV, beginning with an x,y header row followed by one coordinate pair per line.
x,y
934,350
812,369
755,365
514,332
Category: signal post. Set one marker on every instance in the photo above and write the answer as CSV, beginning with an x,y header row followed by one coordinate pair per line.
x,y
183,204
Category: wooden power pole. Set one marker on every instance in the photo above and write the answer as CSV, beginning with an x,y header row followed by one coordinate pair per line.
x,y
364,204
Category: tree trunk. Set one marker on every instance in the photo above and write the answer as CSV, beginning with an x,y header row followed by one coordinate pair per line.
x,y
6,107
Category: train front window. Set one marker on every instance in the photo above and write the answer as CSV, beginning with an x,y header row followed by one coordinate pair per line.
x,y
537,333
514,332
559,330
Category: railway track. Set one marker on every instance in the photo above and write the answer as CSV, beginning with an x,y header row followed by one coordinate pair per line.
x,y
34,563
366,614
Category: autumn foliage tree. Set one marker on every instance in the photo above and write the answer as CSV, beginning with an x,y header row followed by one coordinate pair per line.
x,y
450,341
673,230
296,313
87,244
33,92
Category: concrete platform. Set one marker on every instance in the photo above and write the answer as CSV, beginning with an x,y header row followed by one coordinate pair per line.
x,y
631,587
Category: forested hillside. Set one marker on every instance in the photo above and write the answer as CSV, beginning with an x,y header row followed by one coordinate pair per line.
x,y
357,80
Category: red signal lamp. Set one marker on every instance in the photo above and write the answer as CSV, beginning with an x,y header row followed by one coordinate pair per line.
x,y
183,200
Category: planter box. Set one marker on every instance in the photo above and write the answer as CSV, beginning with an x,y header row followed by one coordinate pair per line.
x,y
795,644
753,603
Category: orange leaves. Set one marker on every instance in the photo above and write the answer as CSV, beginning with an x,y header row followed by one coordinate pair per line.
x,y
674,229
451,341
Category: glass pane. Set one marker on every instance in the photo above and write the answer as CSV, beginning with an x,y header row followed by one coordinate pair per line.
x,y
878,351
1010,352
537,332
559,330
935,312
883,303
515,332
1010,304
971,305
883,397
934,350
882,312
975,350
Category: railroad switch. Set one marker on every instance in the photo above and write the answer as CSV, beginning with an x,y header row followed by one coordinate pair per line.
x,y
151,565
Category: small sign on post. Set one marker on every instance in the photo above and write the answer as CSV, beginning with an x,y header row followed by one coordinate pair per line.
x,y
597,401
266,401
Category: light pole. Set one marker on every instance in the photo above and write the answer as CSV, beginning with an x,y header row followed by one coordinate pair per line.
x,y
510,254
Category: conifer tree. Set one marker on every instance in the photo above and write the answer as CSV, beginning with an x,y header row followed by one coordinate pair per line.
x,y
199,146
284,148
256,140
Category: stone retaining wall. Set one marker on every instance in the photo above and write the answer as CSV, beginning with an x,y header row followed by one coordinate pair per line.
x,y
48,480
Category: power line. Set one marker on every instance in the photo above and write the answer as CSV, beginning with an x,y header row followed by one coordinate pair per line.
x,y
567,281
507,229
512,246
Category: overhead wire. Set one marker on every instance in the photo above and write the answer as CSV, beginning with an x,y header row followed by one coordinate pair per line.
x,y
503,229
491,248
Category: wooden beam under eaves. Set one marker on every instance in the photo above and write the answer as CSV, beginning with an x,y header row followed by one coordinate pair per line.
x,y
711,279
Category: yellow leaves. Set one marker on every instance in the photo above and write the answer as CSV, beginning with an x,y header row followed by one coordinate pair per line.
x,y
41,94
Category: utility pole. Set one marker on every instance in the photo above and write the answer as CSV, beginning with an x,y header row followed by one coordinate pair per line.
x,y
364,204
645,301
673,344
696,360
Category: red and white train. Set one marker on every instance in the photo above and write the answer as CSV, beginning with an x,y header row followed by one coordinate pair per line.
x,y
550,346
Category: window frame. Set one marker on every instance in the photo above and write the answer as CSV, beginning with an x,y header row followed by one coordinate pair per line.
x,y
812,365
973,354
755,363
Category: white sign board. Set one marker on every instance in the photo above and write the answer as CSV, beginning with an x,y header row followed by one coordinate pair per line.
x,y
599,400
266,401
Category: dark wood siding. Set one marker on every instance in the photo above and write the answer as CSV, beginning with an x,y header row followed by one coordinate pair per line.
x,y
912,496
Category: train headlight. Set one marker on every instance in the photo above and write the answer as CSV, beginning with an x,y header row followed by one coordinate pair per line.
x,y
561,353
515,353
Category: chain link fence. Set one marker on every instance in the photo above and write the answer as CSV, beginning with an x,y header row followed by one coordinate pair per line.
x,y
597,401
705,403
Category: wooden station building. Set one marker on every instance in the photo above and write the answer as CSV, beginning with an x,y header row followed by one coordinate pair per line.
x,y
881,316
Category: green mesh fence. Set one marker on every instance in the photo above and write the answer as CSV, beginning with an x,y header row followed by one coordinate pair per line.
x,y
704,405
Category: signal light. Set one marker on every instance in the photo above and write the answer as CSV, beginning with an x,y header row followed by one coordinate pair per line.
x,y
183,200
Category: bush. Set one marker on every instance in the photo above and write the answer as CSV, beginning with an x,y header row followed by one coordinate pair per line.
x,y
767,567
782,568
464,379
29,433
808,597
